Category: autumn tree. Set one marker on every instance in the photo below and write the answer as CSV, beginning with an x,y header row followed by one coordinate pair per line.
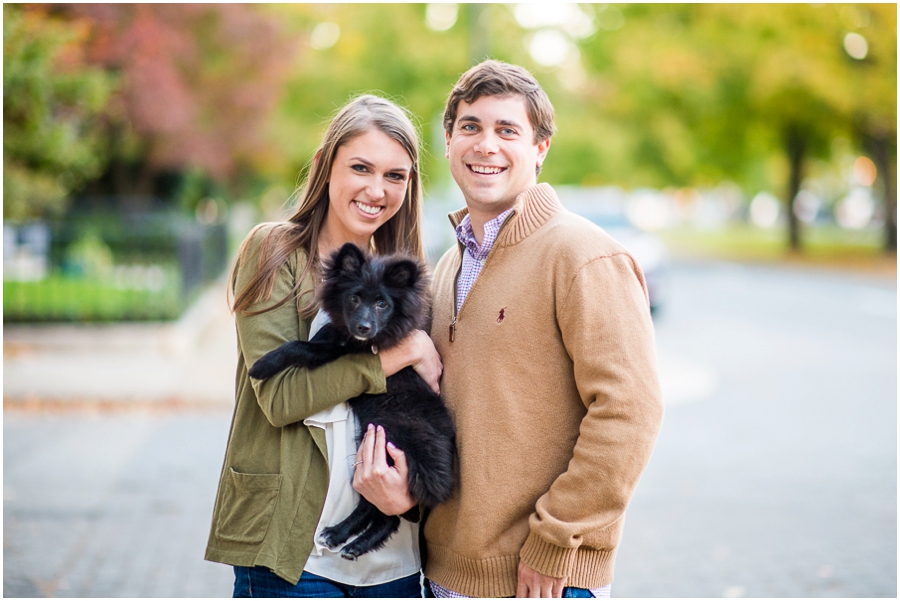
x,y
198,83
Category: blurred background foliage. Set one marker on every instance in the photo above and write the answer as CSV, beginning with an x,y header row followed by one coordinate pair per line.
x,y
192,104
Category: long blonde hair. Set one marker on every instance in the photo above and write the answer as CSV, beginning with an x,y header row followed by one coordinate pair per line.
x,y
401,233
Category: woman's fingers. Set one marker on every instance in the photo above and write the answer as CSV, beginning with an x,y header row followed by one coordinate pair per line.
x,y
379,459
366,448
384,486
399,458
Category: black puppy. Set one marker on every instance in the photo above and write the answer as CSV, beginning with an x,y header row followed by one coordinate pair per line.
x,y
373,303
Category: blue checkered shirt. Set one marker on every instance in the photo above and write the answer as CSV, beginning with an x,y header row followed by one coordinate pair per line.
x,y
474,256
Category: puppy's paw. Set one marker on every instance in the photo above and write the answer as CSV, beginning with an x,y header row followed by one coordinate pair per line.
x,y
265,368
330,538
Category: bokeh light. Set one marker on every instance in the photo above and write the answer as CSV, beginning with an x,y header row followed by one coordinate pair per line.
x,y
855,211
806,206
441,17
610,18
765,210
856,46
571,18
550,47
864,171
325,35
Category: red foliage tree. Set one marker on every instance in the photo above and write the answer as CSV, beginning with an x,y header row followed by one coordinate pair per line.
x,y
197,84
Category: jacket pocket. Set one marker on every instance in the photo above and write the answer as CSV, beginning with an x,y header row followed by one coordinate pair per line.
x,y
248,501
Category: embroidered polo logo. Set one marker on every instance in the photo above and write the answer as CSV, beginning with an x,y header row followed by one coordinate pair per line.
x,y
502,315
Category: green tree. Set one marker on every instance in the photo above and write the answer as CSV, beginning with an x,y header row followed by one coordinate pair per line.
x,y
698,93
873,80
385,49
53,104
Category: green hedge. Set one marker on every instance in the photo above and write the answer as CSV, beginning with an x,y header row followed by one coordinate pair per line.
x,y
61,297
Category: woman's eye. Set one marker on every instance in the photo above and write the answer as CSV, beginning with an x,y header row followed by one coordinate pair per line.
x,y
359,168
397,177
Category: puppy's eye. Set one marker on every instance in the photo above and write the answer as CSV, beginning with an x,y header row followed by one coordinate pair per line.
x,y
353,298
381,304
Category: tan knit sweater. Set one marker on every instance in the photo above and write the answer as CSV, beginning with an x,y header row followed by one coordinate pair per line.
x,y
551,377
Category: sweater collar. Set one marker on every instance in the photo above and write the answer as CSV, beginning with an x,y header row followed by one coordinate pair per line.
x,y
532,209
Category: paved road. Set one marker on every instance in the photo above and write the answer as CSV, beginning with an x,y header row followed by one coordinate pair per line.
x,y
775,472
780,479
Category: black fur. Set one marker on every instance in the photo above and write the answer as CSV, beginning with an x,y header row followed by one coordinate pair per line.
x,y
376,302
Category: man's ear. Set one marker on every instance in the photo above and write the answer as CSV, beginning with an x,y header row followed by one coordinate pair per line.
x,y
447,144
543,149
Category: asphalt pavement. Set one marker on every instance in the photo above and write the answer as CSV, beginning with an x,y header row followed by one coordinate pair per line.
x,y
774,474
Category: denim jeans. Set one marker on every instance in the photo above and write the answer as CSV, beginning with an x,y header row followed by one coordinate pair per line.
x,y
262,582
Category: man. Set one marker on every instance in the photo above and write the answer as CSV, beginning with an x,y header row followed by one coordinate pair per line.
x,y
543,326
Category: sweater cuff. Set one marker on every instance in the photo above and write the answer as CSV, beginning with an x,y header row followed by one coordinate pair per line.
x,y
547,558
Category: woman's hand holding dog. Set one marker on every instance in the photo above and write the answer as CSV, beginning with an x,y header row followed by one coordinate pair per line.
x,y
384,486
416,351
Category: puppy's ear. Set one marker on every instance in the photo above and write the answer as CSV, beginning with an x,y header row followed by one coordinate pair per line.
x,y
402,273
349,258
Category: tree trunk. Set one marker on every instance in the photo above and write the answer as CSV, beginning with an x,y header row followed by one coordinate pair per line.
x,y
879,146
795,145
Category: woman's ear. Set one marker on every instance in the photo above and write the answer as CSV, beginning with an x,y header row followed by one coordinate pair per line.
x,y
316,160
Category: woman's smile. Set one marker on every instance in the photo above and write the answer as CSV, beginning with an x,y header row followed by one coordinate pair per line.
x,y
368,209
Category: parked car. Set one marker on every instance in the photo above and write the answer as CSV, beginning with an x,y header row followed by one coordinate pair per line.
x,y
648,249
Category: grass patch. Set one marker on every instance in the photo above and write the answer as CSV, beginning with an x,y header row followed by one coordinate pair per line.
x,y
62,298
827,246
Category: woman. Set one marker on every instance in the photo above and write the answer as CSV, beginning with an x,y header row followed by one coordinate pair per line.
x,y
291,451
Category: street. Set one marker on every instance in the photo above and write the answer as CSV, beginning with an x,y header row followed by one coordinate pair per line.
x,y
781,479
775,474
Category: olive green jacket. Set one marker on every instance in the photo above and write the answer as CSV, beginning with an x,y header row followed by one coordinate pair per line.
x,y
275,475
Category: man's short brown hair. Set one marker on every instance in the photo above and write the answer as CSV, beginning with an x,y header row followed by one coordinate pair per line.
x,y
496,78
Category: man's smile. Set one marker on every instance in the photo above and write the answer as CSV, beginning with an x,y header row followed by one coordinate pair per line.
x,y
486,170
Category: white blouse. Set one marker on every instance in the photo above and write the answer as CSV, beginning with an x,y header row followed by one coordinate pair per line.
x,y
399,557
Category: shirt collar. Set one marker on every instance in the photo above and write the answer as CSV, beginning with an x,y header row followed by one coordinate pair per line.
x,y
466,235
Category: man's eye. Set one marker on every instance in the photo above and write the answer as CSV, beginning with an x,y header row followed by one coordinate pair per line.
x,y
467,127
381,304
507,132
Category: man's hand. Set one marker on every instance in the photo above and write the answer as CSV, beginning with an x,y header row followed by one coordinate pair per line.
x,y
534,584
384,486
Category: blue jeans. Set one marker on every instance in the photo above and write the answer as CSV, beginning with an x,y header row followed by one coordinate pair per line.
x,y
262,582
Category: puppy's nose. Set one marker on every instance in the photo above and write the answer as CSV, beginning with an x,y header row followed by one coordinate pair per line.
x,y
363,328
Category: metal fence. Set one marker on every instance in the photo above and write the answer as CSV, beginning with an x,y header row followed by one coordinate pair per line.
x,y
108,266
